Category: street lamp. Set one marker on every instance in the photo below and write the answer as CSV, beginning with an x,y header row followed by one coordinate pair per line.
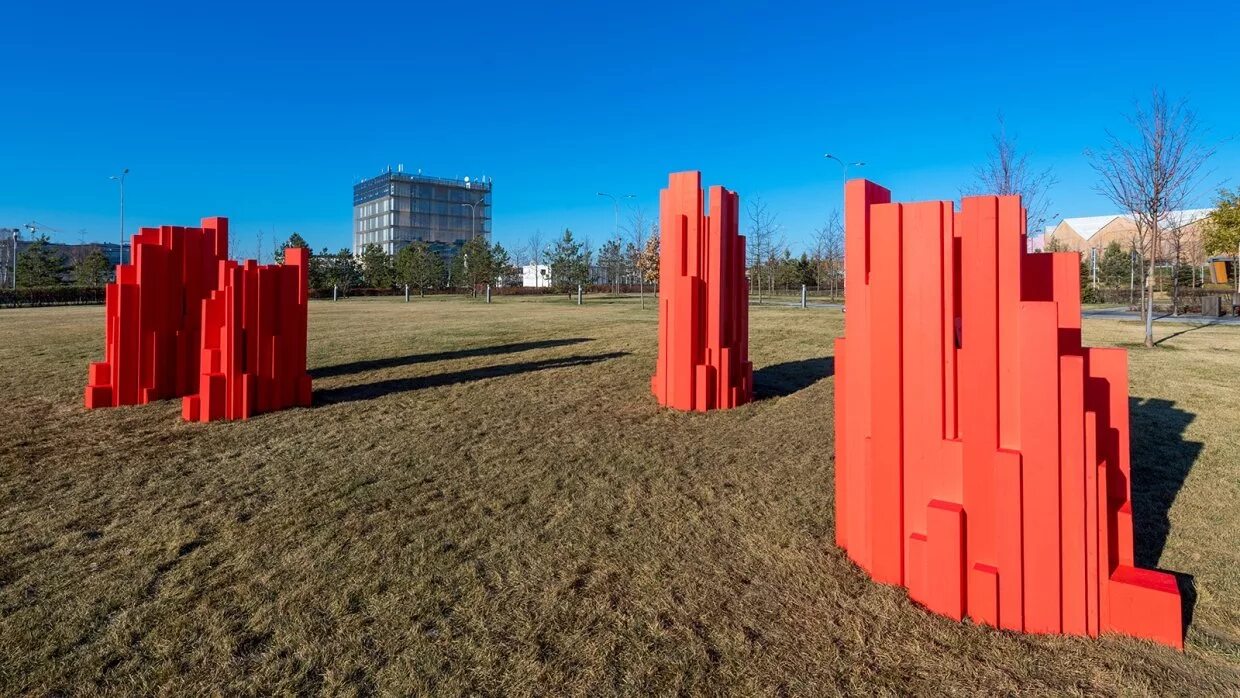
x,y
616,204
15,232
121,178
473,214
843,164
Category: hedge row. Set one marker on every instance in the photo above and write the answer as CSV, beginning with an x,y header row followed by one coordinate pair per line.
x,y
51,295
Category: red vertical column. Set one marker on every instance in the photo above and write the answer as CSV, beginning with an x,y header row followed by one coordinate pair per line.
x,y
979,403
1092,516
860,195
886,409
1039,434
1009,530
1072,489
841,443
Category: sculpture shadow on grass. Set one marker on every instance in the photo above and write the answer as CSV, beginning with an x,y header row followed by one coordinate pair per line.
x,y
789,377
378,389
1161,460
396,361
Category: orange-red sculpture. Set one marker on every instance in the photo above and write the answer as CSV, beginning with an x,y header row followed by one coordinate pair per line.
x,y
703,300
981,451
254,341
154,312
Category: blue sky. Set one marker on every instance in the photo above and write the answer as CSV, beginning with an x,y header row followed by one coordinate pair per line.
x,y
268,114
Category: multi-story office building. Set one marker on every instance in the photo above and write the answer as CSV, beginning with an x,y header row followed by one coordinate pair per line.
x,y
397,208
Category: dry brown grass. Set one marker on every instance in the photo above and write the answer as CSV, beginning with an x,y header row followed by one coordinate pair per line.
x,y
525,520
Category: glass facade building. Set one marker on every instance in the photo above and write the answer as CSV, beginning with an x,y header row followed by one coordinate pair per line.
x,y
397,208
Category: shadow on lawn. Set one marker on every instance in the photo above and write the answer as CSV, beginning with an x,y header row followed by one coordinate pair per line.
x,y
392,362
791,376
1161,460
370,391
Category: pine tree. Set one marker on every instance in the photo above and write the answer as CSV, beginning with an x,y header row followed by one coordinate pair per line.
x,y
376,267
570,263
91,270
41,265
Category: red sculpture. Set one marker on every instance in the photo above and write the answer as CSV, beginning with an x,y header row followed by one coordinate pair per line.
x,y
981,451
254,341
703,300
154,312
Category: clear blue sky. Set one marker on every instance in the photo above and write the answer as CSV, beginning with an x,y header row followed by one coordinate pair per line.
x,y
268,115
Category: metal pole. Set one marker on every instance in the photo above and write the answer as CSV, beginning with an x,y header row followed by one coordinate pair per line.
x,y
15,258
335,287
122,250
406,293
615,203
578,294
120,253
844,265
488,293
803,295
1093,267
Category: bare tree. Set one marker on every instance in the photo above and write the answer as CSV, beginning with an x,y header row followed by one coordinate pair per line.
x,y
760,241
1151,176
534,250
638,229
1007,171
829,253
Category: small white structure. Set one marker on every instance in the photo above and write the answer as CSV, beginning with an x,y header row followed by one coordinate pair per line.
x,y
536,276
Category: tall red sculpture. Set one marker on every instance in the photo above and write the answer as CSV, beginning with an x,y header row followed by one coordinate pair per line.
x,y
981,451
254,341
154,312
703,300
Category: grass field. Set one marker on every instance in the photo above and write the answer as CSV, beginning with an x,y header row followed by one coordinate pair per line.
x,y
486,500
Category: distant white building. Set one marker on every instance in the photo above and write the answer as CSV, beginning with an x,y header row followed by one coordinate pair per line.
x,y
536,276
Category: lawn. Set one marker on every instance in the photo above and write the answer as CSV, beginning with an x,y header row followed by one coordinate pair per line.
x,y
485,499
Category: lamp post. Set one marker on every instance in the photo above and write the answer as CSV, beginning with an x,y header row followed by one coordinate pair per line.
x,y
615,202
15,232
121,178
473,215
844,165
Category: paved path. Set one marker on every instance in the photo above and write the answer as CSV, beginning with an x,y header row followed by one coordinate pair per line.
x,y
1116,313
1122,313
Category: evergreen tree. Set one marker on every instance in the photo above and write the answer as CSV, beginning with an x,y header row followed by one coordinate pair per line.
x,y
41,265
611,260
343,270
418,266
1115,266
320,269
376,267
505,272
474,265
91,270
570,263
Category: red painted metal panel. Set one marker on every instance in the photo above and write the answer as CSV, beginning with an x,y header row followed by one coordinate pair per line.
x,y
977,444
704,300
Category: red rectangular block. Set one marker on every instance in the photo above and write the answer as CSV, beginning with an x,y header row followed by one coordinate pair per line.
x,y
1039,438
917,569
946,558
983,594
1146,603
886,385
